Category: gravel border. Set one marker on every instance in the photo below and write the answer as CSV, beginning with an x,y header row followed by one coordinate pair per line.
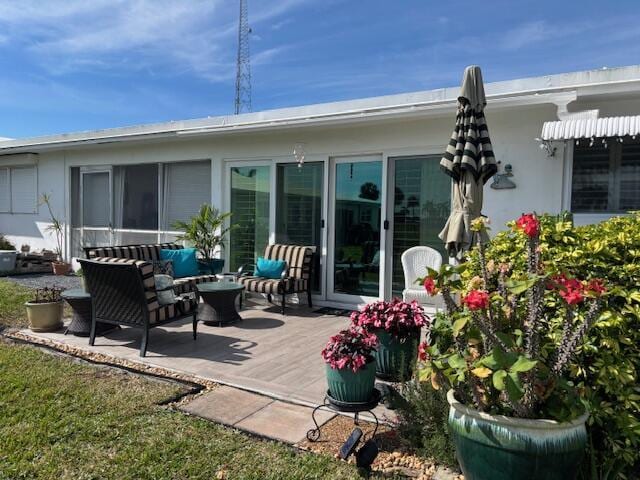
x,y
41,280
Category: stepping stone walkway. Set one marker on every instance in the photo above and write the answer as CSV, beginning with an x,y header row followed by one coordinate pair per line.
x,y
257,414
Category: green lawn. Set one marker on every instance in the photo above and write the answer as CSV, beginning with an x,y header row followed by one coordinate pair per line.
x,y
64,420
12,298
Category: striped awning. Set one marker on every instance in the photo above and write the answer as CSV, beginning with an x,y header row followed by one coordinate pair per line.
x,y
591,127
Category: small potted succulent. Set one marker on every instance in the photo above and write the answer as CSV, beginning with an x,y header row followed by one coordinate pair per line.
x,y
44,312
397,325
351,367
503,353
60,267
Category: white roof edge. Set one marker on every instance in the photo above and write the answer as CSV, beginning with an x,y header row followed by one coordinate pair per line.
x,y
591,127
536,90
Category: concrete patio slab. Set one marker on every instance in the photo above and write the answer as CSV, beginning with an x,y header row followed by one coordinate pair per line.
x,y
283,421
226,405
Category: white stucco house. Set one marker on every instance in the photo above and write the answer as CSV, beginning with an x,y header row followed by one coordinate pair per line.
x,y
370,185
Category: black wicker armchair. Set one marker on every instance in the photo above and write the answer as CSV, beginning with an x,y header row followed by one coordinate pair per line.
x,y
123,293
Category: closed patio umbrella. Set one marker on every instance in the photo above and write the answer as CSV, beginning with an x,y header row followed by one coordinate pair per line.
x,y
470,162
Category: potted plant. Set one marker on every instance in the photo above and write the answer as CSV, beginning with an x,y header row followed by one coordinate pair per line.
x,y
351,367
503,352
397,325
60,267
206,232
44,312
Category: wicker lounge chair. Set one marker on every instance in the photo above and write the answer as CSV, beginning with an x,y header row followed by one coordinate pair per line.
x,y
296,277
123,293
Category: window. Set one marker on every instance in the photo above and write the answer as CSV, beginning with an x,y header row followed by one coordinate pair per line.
x,y
18,190
135,197
187,185
606,179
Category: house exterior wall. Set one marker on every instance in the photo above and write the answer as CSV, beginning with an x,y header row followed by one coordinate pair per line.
x,y
513,132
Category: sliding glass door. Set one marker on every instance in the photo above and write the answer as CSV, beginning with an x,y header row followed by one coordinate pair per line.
x,y
421,205
356,223
249,206
299,208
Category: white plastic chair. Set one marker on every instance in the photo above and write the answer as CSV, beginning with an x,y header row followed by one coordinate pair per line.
x,y
414,263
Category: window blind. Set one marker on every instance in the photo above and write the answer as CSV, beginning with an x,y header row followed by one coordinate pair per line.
x,y
5,200
23,190
187,185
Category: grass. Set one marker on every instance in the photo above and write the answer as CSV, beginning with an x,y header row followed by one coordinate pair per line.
x,y
65,420
12,298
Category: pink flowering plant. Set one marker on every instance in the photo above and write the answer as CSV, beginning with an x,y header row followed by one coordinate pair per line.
x,y
400,319
352,348
506,337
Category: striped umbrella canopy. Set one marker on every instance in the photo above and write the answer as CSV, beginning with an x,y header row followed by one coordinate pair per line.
x,y
470,162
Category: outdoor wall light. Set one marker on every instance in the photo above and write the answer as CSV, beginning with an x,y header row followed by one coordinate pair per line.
x,y
547,146
502,181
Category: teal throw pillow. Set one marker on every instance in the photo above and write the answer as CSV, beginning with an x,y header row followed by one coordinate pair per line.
x,y
269,268
183,260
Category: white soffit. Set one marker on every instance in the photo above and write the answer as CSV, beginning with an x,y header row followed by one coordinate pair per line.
x,y
591,127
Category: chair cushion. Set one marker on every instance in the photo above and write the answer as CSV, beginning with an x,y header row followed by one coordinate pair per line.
x,y
187,284
184,261
166,312
298,258
269,268
164,289
262,285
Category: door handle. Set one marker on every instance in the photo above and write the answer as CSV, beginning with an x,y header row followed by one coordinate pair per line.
x,y
386,225
322,223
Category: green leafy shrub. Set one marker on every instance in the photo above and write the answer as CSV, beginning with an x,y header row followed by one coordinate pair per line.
x,y
422,421
605,369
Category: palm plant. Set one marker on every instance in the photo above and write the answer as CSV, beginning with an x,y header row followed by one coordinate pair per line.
x,y
56,227
206,231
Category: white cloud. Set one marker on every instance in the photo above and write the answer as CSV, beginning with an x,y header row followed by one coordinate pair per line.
x,y
198,36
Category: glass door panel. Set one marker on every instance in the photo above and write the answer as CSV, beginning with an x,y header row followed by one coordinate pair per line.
x,y
96,199
421,205
299,208
357,220
250,214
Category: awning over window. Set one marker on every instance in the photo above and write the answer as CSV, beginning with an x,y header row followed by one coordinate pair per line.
x,y
592,127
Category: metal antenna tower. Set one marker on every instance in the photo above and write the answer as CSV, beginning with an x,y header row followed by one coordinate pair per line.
x,y
243,72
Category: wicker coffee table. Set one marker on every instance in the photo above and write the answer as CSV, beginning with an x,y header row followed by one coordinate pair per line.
x,y
218,305
80,303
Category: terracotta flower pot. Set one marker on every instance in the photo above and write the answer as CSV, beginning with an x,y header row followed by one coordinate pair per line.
x,y
497,447
61,268
44,317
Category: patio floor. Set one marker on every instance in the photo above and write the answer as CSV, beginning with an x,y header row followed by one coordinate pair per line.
x,y
265,353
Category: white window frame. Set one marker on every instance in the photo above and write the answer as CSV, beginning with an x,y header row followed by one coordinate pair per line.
x,y
9,169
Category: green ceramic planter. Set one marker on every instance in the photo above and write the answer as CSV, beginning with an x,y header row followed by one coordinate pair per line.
x,y
396,359
347,386
496,447
214,266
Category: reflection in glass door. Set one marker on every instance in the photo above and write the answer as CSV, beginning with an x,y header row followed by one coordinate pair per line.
x,y
421,205
299,208
249,214
356,227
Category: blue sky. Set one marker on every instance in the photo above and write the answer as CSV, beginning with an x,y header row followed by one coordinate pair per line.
x,y
80,65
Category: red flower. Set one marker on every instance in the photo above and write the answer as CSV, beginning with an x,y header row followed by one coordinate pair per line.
x,y
572,296
422,351
529,224
476,300
596,287
430,286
